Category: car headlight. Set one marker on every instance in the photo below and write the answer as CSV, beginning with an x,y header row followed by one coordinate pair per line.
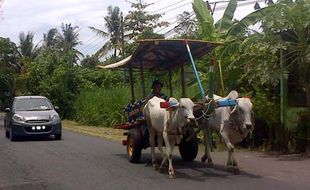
x,y
55,117
18,118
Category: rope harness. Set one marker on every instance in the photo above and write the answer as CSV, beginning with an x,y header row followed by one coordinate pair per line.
x,y
206,111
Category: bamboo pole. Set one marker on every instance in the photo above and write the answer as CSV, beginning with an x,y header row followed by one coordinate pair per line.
x,y
142,79
133,99
183,81
170,83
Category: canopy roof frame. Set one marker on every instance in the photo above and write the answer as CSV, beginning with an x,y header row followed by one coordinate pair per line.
x,y
162,55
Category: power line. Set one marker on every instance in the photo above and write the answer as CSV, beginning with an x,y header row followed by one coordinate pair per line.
x,y
177,7
156,2
95,46
88,45
169,6
216,9
92,48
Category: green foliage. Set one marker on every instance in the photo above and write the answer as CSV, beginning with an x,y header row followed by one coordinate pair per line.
x,y
68,38
206,23
102,106
187,26
49,39
9,67
138,20
90,62
26,46
51,76
114,24
226,21
267,105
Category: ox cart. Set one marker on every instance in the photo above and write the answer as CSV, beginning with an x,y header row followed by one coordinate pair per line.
x,y
161,56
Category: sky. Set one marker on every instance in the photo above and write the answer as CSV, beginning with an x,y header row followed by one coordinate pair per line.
x,y
38,16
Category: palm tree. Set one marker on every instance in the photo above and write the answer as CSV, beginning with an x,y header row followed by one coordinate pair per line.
x,y
26,46
68,38
113,22
27,50
49,39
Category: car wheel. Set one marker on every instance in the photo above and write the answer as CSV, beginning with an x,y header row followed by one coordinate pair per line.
x,y
58,136
12,136
7,133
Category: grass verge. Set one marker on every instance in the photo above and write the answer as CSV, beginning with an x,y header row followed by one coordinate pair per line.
x,y
102,132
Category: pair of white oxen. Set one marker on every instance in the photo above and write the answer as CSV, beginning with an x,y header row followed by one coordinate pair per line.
x,y
233,125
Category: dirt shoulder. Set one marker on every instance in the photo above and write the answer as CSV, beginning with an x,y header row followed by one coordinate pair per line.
x,y
102,132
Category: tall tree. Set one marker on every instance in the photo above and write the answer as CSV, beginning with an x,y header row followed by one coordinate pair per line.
x,y
68,38
27,50
26,46
9,66
139,20
187,26
50,38
113,23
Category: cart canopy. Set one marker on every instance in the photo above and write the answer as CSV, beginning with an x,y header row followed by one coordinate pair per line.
x,y
163,54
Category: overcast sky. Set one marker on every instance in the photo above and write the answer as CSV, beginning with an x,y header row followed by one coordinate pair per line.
x,y
39,16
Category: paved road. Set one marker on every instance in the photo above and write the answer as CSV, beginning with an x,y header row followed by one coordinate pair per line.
x,y
85,162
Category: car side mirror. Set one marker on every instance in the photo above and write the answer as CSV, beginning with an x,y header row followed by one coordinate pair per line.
x,y
56,108
7,110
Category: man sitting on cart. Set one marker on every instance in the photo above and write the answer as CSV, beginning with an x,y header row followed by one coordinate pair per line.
x,y
157,86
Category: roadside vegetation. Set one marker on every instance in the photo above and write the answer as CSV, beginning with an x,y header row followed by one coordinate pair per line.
x,y
256,63
102,132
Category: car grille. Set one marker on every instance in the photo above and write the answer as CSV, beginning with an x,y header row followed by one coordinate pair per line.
x,y
37,121
34,129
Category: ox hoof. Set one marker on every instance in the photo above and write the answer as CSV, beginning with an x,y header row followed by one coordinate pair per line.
x,y
171,176
209,163
203,159
236,170
155,166
230,168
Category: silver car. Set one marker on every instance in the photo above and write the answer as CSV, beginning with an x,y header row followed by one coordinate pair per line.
x,y
32,116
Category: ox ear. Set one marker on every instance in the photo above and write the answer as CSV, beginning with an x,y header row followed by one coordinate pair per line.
x,y
232,95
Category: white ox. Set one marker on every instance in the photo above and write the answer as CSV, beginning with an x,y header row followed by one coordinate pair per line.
x,y
232,125
167,125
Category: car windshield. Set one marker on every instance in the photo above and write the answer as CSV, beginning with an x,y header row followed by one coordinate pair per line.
x,y
32,104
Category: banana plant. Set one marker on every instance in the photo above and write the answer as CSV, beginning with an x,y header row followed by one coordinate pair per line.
x,y
215,32
209,30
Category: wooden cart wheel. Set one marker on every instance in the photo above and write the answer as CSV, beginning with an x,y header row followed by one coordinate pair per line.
x,y
134,145
189,150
